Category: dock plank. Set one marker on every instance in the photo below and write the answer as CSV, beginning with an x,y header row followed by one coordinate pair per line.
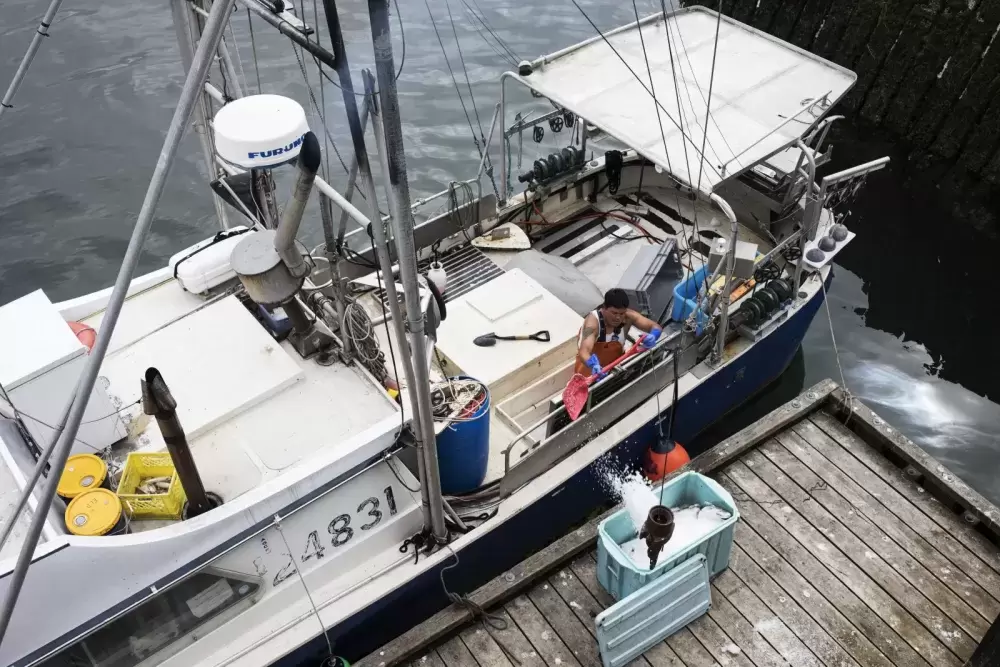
x,y
586,607
799,619
558,614
429,659
687,647
945,511
806,570
748,638
546,641
454,653
935,605
515,641
585,570
875,511
877,538
766,622
883,480
912,627
486,650
719,645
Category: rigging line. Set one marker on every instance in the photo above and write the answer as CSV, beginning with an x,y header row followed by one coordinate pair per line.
x,y
502,56
319,112
480,16
496,49
253,46
465,71
711,82
633,73
652,86
684,139
302,580
694,76
458,90
402,58
680,111
239,58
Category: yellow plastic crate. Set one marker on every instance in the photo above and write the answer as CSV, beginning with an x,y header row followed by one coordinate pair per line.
x,y
140,466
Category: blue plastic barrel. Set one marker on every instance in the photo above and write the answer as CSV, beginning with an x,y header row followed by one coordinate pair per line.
x,y
463,450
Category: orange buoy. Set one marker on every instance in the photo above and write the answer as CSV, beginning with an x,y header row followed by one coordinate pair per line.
x,y
660,464
84,333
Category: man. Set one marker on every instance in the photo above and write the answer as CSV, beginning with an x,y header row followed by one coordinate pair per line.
x,y
603,330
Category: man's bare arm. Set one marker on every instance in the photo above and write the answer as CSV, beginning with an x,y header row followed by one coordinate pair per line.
x,y
641,322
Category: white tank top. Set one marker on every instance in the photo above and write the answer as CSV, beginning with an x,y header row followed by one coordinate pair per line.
x,y
604,335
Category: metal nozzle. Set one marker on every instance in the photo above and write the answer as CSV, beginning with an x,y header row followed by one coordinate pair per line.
x,y
657,530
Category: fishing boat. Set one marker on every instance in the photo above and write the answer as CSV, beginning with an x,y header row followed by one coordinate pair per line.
x,y
307,452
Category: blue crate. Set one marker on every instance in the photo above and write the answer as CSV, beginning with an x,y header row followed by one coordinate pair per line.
x,y
621,577
630,627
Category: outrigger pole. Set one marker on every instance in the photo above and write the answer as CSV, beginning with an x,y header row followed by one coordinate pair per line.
x,y
190,94
41,32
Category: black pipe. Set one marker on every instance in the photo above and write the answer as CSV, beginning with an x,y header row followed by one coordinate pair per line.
x,y
157,401
290,31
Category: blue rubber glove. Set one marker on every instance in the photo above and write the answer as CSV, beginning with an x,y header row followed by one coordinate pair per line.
x,y
595,366
649,340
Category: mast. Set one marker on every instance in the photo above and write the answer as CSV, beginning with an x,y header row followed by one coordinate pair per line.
x,y
193,87
402,218
186,41
419,389
41,32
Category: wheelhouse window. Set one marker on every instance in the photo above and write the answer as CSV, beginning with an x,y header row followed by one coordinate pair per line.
x,y
165,624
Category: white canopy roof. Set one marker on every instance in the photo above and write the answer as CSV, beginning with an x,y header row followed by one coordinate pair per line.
x,y
765,95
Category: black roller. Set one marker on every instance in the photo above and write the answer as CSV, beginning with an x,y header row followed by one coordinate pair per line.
x,y
769,300
750,311
781,288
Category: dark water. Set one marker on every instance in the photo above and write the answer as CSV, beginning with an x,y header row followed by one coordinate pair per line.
x,y
910,305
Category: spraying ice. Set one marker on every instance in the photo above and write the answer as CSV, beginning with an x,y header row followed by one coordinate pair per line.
x,y
691,523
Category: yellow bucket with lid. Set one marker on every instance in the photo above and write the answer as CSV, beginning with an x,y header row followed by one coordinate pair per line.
x,y
83,472
94,512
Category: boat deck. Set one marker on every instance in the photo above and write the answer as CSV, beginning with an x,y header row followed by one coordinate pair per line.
x,y
854,548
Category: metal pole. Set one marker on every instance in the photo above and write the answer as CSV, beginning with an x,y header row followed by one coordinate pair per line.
x,y
504,176
185,40
36,474
398,323
489,140
811,211
291,32
193,87
720,337
230,70
352,177
379,133
41,32
402,217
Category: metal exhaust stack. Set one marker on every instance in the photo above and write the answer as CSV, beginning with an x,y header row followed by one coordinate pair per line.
x,y
284,240
158,402
273,270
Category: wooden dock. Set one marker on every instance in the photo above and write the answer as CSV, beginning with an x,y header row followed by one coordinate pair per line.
x,y
854,549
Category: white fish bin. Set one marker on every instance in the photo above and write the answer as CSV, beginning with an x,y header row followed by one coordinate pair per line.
x,y
705,517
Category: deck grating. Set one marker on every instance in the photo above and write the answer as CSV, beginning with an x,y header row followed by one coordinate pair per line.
x,y
839,561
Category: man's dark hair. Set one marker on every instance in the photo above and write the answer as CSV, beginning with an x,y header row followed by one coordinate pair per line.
x,y
615,298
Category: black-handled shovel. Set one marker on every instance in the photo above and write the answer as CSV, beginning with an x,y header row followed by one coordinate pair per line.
x,y
490,339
